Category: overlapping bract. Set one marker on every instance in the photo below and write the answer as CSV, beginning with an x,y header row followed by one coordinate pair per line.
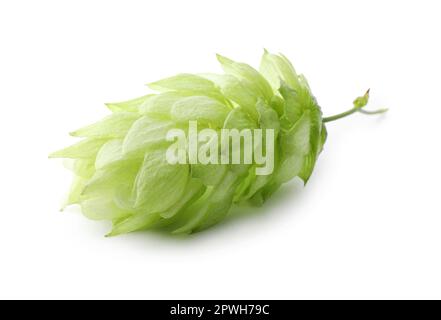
x,y
121,173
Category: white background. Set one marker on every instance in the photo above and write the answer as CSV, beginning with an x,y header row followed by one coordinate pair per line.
x,y
368,224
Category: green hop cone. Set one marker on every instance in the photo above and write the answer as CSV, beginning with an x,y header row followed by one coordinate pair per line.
x,y
120,167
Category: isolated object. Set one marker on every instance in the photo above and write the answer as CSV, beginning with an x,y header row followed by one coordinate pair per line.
x,y
121,173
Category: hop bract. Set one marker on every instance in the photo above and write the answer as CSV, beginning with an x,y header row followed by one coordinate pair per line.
x,y
120,168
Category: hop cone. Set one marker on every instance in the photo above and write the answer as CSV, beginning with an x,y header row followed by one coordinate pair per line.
x,y
121,173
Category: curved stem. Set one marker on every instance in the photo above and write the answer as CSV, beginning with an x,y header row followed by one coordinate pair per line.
x,y
351,111
373,112
359,103
340,115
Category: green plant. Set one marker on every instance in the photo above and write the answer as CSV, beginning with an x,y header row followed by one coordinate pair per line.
x,y
120,169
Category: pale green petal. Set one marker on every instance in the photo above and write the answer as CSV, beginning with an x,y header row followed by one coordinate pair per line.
x,y
123,195
183,82
277,67
159,184
108,181
323,137
268,117
268,190
200,108
133,223
81,167
237,91
84,168
194,215
211,208
209,174
293,105
76,189
113,126
239,119
145,134
109,153
128,106
256,185
102,208
301,147
278,104
304,82
315,140
296,141
84,149
290,168
247,74
160,105
244,185
193,190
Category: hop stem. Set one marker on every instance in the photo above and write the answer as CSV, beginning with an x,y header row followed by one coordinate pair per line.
x,y
359,103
